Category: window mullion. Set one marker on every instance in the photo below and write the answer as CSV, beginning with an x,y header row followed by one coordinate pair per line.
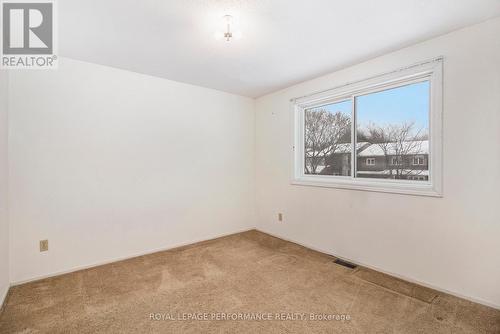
x,y
353,137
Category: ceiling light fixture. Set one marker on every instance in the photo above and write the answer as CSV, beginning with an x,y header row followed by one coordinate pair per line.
x,y
228,33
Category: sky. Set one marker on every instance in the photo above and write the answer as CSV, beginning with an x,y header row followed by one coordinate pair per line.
x,y
402,104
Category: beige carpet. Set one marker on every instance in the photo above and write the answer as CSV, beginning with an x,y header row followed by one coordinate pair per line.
x,y
247,276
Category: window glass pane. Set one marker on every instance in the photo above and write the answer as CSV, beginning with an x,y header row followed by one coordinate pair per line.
x,y
393,133
328,139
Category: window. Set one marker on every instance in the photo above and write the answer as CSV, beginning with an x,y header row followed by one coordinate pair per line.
x,y
396,161
395,122
380,134
327,141
418,161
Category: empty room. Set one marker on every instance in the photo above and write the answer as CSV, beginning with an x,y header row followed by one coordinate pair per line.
x,y
250,166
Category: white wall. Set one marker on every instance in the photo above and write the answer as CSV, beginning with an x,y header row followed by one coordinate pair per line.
x,y
4,226
106,163
450,243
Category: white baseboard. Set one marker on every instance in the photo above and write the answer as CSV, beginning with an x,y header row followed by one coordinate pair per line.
x,y
77,268
100,263
408,279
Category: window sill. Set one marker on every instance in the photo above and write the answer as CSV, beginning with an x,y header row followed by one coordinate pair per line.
x,y
417,188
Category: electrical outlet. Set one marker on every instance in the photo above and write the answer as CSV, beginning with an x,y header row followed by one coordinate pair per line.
x,y
44,245
280,217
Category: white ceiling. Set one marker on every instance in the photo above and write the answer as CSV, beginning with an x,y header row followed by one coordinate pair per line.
x,y
284,41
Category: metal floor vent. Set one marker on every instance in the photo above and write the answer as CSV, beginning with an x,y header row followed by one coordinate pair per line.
x,y
345,264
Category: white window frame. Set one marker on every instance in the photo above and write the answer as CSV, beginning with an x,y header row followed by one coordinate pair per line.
x,y
431,71
369,163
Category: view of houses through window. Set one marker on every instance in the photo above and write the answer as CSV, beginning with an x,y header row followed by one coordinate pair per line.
x,y
391,132
328,140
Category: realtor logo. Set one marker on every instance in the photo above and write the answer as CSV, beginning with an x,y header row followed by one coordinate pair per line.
x,y
28,35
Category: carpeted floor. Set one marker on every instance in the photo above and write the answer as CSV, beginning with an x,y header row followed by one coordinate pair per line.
x,y
243,277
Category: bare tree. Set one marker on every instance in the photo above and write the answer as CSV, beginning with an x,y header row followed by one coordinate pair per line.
x,y
398,141
406,143
323,133
382,136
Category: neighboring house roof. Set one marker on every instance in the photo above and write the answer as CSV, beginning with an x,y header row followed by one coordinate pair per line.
x,y
346,148
366,149
342,148
409,147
